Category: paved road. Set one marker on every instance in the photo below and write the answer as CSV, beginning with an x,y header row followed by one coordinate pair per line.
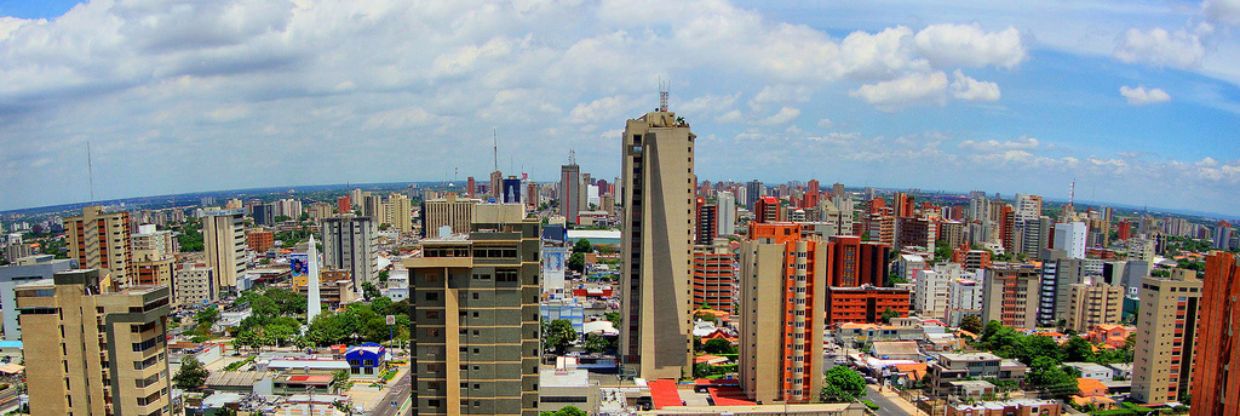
x,y
400,394
886,407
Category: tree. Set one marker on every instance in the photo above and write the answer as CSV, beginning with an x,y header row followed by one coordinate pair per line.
x,y
192,374
1047,376
369,291
842,384
281,218
582,246
565,411
558,335
577,262
340,381
613,317
1078,349
971,323
383,276
719,346
888,315
596,343
207,317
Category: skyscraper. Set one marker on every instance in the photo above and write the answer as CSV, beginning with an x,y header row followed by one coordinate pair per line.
x,y
727,213
1070,237
1166,337
1215,387
475,314
570,191
93,350
1009,295
753,191
707,217
397,212
100,240
223,240
713,277
349,244
657,165
1222,235
782,299
451,211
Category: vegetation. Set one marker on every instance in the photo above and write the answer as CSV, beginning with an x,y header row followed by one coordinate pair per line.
x,y
558,335
703,370
971,323
362,322
369,291
340,381
1045,357
613,317
190,238
870,404
565,411
719,346
888,315
597,343
192,374
842,384
942,252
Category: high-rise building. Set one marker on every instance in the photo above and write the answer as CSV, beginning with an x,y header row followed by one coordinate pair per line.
x,y
355,197
657,166
1010,294
812,189
196,285
94,350
1028,207
714,277
471,187
1222,235
903,205
707,217
511,191
754,190
100,240
372,205
475,314
915,232
570,191
782,297
497,185
1215,387
727,213
1035,234
24,270
153,253
965,298
223,240
1166,340
855,263
349,244
932,296
344,205
264,214
1070,237
1093,304
455,213
398,212
767,209
1059,273
1008,236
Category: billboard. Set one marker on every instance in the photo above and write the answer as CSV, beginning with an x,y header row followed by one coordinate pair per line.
x,y
554,263
299,263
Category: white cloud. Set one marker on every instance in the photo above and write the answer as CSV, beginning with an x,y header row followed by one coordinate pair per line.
x,y
1223,11
1139,95
784,115
1021,143
949,45
729,117
602,109
909,89
825,123
1159,47
969,89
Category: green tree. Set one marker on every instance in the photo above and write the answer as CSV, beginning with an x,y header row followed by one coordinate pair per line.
x,y
971,323
577,262
1078,349
192,374
565,411
888,315
613,317
208,316
281,218
583,246
369,291
1047,376
719,346
842,384
596,343
558,335
383,276
340,381
942,252
1038,346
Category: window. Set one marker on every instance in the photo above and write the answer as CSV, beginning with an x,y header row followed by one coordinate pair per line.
x,y
432,296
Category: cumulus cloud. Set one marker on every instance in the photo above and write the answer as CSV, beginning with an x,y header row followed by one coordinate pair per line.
x,y
969,89
951,45
782,116
910,89
1139,95
602,109
1223,11
1159,47
1021,143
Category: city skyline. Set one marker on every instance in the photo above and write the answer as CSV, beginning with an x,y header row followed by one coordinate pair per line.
x,y
1136,106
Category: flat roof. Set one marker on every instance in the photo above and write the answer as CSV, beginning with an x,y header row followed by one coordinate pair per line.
x,y
664,394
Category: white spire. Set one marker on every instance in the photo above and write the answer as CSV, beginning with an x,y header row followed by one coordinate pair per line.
x,y
313,306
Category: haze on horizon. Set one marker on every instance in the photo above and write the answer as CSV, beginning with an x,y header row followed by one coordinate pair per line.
x,y
1137,101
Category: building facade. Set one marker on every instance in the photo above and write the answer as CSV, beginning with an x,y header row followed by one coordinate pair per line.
x,y
1166,341
1010,295
223,239
100,240
349,244
714,278
1093,304
1215,388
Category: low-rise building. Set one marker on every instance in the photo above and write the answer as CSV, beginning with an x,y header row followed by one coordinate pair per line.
x,y
952,367
1020,407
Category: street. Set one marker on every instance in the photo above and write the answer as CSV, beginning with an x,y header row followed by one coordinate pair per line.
x,y
400,395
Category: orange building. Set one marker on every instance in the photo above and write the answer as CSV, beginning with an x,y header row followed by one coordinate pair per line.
x,y
865,303
1111,335
1215,388
713,278
811,194
903,205
343,204
260,240
766,210
856,263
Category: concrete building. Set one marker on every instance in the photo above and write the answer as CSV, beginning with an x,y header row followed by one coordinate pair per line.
x,y
398,212
1010,294
1071,238
260,240
915,232
657,251
865,303
965,298
451,211
1059,273
856,263
196,285
153,254
24,270
570,191
1215,387
223,239
1028,208
1166,337
1035,235
727,213
1222,235
349,244
91,349
475,331
707,225
932,296
953,367
1094,304
782,297
714,277
100,240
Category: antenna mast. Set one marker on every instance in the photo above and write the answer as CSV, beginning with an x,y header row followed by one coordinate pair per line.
x,y
90,171
572,157
663,93
495,149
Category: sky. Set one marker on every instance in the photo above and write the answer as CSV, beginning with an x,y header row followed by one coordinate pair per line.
x,y
1137,101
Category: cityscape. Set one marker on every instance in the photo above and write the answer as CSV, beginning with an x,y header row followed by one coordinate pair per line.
x,y
772,209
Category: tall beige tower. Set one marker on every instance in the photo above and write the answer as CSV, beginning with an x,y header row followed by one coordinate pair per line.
x,y
91,350
101,240
1166,337
658,178
397,212
223,239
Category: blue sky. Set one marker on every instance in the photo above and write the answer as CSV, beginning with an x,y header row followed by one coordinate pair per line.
x,y
1138,101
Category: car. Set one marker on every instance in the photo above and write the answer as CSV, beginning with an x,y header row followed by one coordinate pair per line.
x,y
841,361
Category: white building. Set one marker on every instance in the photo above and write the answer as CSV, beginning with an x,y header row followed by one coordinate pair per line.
x,y
726,217
1070,237
195,285
931,298
965,298
398,285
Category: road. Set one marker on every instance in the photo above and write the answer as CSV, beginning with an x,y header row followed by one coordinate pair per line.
x,y
400,394
886,407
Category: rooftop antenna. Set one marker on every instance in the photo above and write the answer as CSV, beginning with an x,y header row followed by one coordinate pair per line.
x,y
90,171
572,157
495,148
663,93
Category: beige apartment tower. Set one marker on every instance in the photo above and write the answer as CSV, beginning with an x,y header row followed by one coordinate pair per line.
x,y
1093,304
100,240
657,246
451,211
223,239
93,350
476,321
397,212
1010,295
1166,337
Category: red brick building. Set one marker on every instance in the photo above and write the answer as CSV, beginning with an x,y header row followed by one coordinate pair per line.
x,y
714,278
260,240
1214,387
864,304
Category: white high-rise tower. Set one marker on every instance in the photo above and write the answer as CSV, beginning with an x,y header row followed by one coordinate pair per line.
x,y
313,306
